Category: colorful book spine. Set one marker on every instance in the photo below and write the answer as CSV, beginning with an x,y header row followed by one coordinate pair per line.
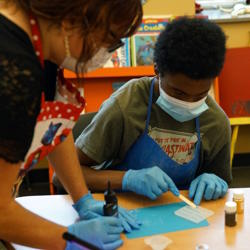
x,y
143,42
121,57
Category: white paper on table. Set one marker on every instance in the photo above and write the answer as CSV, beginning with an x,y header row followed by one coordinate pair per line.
x,y
195,215
55,208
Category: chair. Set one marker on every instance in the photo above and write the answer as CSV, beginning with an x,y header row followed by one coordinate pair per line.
x,y
235,123
83,121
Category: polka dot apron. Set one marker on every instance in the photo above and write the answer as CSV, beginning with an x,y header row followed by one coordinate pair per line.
x,y
56,118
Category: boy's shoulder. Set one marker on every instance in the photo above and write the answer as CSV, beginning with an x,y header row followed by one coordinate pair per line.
x,y
134,92
215,116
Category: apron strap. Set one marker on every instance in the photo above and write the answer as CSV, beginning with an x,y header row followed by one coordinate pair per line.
x,y
197,124
149,105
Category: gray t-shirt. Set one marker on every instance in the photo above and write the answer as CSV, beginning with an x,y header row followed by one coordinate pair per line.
x,y
122,118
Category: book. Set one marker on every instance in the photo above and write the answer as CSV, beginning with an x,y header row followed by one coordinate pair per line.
x,y
121,57
117,85
143,41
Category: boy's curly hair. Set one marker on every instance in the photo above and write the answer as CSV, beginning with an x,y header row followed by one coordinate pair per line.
x,y
194,47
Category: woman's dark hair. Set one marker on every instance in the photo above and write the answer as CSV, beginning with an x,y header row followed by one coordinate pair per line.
x,y
194,47
91,16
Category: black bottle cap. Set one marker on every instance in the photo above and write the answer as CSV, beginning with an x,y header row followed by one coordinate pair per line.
x,y
109,195
110,207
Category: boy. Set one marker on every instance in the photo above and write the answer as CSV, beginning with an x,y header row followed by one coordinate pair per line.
x,y
157,134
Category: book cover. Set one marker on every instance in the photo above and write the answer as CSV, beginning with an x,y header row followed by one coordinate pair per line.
x,y
142,43
121,57
117,85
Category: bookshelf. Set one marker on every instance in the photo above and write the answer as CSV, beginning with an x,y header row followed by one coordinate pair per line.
x,y
115,72
97,85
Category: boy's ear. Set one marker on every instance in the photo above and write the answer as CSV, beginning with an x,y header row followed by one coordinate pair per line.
x,y
156,71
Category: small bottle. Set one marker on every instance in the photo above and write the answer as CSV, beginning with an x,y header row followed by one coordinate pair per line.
x,y
230,213
238,198
110,207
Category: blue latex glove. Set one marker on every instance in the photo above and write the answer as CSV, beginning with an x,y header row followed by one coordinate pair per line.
x,y
208,185
151,182
89,208
104,232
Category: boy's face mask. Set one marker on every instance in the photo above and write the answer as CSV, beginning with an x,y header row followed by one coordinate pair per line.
x,y
180,110
97,61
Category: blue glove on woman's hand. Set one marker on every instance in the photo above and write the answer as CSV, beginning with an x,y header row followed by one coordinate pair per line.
x,y
89,208
103,232
151,182
208,185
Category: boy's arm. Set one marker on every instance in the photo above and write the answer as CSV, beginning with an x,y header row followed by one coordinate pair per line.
x,y
218,162
97,179
220,165
151,182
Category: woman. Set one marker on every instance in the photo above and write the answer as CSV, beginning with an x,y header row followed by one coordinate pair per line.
x,y
37,117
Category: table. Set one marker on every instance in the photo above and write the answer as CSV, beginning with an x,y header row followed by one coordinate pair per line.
x,y
58,208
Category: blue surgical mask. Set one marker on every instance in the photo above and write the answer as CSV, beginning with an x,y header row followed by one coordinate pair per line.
x,y
180,110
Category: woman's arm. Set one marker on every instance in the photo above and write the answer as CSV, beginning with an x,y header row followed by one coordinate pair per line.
x,y
19,225
67,167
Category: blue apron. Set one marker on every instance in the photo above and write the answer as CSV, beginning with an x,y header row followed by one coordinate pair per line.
x,y
146,153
